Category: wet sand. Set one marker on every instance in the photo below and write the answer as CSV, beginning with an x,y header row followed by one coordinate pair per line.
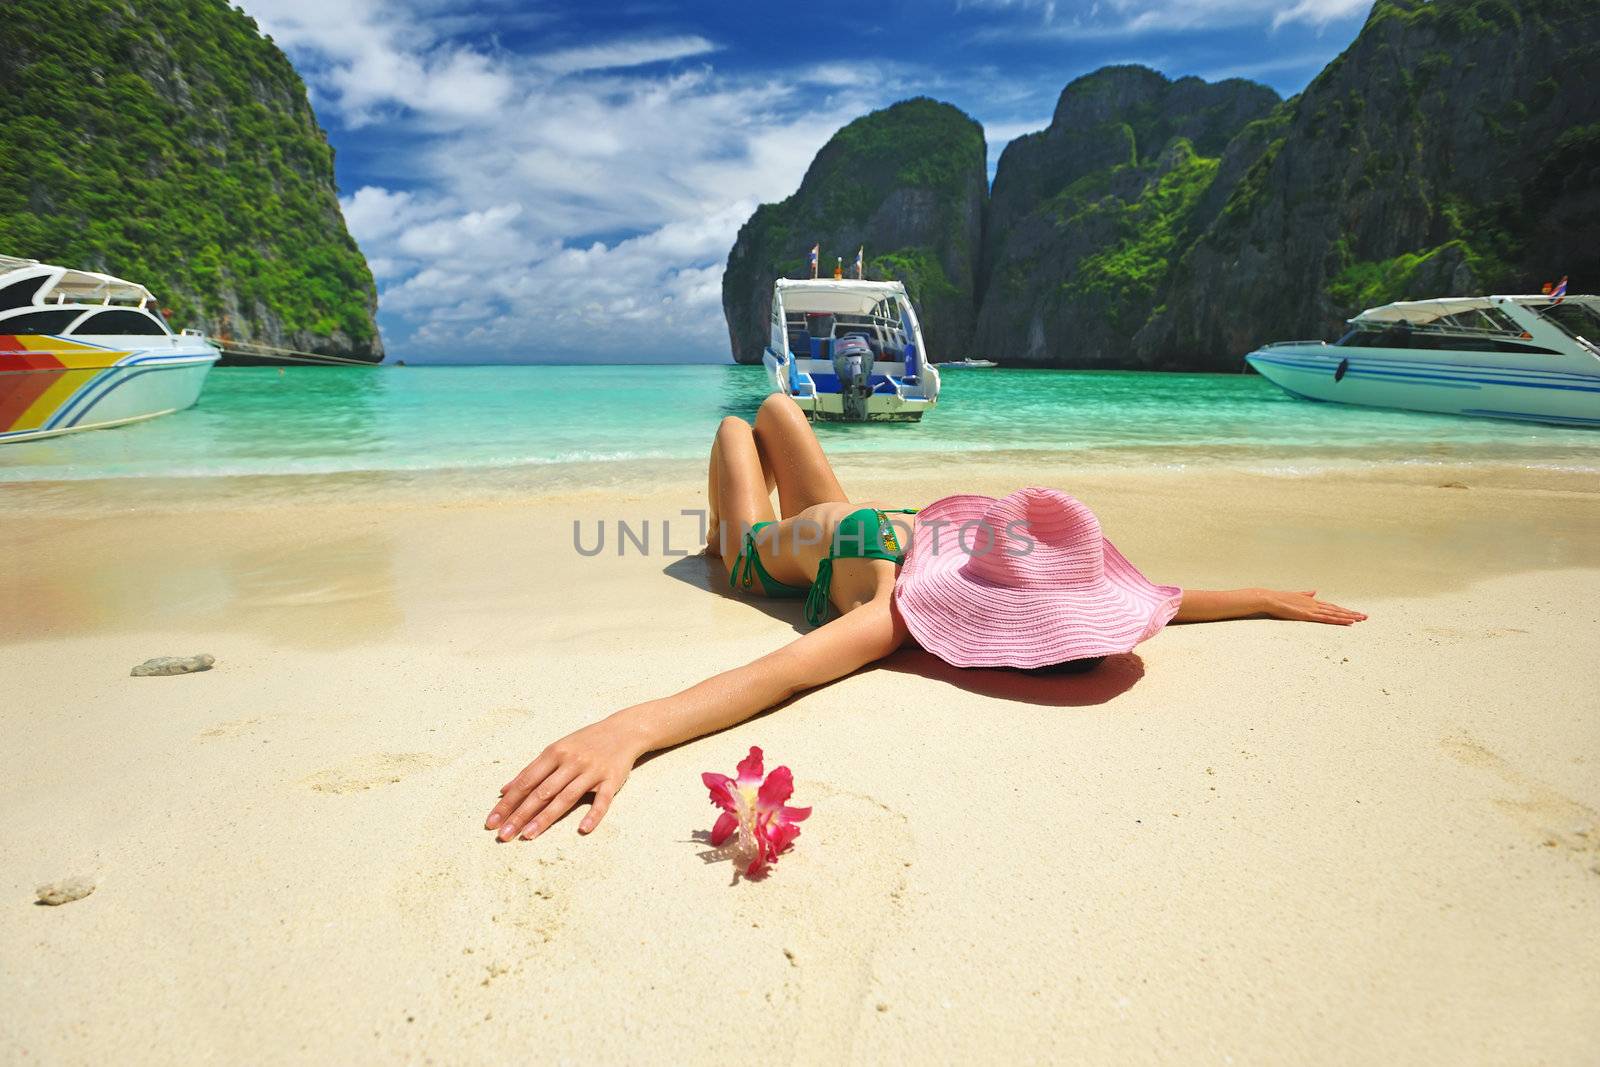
x,y
1255,840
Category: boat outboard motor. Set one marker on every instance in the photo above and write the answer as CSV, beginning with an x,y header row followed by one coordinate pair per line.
x,y
852,362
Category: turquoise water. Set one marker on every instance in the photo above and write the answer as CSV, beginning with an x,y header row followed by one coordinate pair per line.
x,y
330,420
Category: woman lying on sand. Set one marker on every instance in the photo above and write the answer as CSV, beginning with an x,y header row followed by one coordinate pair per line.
x,y
1025,582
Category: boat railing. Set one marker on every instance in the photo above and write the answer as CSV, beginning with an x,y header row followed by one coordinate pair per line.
x,y
233,347
1286,344
843,321
886,331
1462,331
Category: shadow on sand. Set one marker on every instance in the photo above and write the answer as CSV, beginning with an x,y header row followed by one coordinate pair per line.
x,y
1111,679
706,572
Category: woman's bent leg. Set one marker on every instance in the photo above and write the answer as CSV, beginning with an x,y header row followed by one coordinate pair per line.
x,y
793,456
737,488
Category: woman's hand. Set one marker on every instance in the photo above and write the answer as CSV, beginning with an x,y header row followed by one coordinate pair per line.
x,y
597,758
1305,607
1215,605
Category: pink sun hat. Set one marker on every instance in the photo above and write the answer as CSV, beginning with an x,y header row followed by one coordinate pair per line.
x,y
1025,581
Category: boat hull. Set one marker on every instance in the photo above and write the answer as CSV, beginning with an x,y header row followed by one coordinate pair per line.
x,y
1467,383
51,386
818,409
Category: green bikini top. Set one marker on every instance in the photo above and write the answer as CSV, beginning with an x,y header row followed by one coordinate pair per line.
x,y
863,534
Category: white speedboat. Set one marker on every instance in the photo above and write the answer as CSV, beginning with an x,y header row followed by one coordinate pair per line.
x,y
82,351
1532,358
849,350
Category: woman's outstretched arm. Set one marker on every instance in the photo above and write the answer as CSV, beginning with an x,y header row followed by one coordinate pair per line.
x,y
600,756
1214,605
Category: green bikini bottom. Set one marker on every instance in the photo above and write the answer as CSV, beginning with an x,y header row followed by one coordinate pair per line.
x,y
865,533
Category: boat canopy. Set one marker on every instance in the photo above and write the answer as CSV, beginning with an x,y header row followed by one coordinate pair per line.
x,y
82,286
840,296
1418,312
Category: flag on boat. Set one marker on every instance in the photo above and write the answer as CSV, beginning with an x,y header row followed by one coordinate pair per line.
x,y
859,253
1560,291
838,267
816,250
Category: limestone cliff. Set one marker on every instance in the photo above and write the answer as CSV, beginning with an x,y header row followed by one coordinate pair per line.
x,y
1089,216
169,142
1454,148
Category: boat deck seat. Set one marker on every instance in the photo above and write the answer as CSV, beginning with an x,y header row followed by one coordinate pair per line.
x,y
881,351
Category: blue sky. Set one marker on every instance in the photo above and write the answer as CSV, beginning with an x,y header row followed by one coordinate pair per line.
x,y
562,181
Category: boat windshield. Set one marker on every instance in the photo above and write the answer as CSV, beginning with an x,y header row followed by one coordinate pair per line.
x,y
1405,335
1485,320
1472,330
1574,319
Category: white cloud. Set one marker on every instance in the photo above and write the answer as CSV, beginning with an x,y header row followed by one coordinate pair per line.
x,y
621,54
1271,64
1122,18
1320,12
368,56
563,204
374,214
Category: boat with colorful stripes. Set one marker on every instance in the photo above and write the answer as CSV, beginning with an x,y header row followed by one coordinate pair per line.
x,y
82,351
1528,358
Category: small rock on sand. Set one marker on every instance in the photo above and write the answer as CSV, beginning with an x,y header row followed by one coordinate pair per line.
x,y
163,665
1453,485
65,891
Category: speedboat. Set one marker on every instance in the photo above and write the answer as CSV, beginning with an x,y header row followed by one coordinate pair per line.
x,y
848,350
1531,358
82,351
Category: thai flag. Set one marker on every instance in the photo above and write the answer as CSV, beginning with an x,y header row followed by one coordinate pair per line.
x,y
816,250
859,253
1560,291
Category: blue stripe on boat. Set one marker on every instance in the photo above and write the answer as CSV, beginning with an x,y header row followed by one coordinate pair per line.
x,y
1357,372
1335,354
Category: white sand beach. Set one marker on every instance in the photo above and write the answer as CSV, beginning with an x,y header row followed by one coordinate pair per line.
x,y
1251,842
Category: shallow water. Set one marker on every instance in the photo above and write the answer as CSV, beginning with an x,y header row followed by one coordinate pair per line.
x,y
266,421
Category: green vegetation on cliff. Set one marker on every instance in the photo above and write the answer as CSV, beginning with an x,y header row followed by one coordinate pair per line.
x,y
916,144
920,270
1368,283
1146,234
171,143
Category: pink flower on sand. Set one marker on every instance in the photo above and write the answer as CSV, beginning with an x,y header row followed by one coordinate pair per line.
x,y
755,810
